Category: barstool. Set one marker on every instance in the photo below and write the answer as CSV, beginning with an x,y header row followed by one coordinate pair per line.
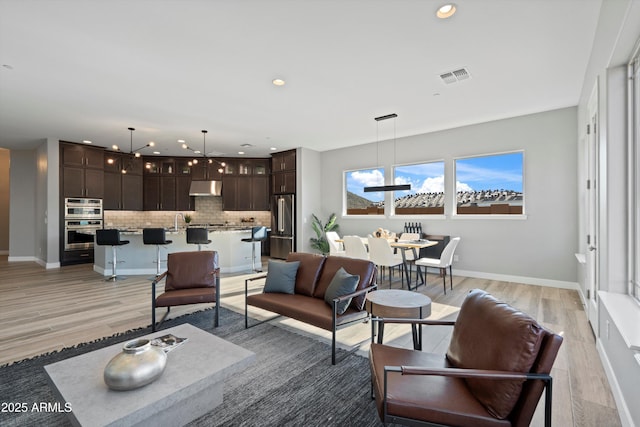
x,y
258,234
111,237
155,236
198,236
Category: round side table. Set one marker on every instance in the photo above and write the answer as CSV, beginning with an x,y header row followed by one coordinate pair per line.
x,y
397,303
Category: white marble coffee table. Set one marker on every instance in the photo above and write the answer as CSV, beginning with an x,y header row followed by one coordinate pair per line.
x,y
190,386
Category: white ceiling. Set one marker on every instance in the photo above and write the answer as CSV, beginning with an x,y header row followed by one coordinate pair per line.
x,y
79,69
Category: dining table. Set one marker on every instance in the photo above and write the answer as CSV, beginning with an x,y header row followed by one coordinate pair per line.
x,y
414,246
404,246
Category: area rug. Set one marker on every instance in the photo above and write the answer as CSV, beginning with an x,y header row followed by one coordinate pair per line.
x,y
292,382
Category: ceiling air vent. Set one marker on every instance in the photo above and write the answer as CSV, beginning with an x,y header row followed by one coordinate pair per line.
x,y
455,76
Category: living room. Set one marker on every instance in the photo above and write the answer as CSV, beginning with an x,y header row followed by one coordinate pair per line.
x,y
537,249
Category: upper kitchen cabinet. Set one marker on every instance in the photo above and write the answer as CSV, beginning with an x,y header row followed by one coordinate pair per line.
x,y
81,155
123,188
81,173
284,161
283,168
206,170
245,185
166,184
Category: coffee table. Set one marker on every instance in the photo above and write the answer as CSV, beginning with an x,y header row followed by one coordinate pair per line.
x,y
399,304
190,386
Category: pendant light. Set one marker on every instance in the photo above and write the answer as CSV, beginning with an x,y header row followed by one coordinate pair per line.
x,y
135,153
204,153
399,187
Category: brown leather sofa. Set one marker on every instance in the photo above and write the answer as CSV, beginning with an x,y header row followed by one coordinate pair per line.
x,y
498,364
307,303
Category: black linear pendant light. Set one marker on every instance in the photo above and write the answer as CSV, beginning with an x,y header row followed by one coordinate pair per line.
x,y
398,187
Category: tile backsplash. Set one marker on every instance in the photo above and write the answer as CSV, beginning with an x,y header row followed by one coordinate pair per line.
x,y
208,211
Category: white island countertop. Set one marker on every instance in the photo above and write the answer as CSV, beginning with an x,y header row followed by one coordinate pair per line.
x,y
140,259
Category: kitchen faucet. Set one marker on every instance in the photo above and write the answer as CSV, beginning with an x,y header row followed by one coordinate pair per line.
x,y
175,220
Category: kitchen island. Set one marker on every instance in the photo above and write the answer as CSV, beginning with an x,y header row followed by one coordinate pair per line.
x,y
136,258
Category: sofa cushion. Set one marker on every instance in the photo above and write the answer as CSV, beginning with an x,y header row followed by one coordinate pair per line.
x,y
342,283
363,268
313,311
191,270
482,339
281,277
308,272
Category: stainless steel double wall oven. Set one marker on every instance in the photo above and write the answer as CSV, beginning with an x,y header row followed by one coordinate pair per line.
x,y
82,217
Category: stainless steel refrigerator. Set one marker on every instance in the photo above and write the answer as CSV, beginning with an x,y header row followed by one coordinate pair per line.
x,y
282,240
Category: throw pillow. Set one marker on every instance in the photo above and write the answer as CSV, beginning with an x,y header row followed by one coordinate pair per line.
x,y
281,277
342,283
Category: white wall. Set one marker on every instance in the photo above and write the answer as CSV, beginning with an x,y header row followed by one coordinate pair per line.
x,y
34,212
4,201
308,201
539,249
618,30
22,234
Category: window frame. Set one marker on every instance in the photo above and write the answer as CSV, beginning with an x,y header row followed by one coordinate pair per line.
x,y
441,212
345,209
502,215
634,174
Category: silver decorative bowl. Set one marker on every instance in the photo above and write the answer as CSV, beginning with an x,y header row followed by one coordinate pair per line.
x,y
139,364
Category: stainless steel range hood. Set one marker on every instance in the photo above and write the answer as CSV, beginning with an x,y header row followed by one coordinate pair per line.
x,y
205,188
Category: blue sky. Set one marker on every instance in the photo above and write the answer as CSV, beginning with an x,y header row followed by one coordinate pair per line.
x,y
502,171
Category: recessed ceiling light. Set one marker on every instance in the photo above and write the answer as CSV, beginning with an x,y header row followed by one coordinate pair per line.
x,y
240,152
86,141
181,141
446,11
278,82
156,152
273,148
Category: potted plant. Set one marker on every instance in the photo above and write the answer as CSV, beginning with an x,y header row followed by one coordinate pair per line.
x,y
187,219
320,242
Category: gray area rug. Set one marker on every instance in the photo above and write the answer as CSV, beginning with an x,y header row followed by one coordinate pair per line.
x,y
292,382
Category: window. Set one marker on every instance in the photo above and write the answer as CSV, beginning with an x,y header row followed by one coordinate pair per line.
x,y
634,175
490,185
357,201
426,196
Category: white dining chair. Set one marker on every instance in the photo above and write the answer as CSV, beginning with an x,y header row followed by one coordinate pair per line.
x,y
335,247
354,247
445,260
381,254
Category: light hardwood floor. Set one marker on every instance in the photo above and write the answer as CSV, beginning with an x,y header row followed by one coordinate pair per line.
x,y
46,310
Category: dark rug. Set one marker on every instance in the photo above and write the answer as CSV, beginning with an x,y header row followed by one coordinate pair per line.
x,y
292,382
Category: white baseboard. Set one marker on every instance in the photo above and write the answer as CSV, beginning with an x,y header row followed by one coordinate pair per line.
x,y
22,259
40,262
623,409
518,279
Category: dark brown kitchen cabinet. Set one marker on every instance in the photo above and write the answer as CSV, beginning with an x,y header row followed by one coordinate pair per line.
x,y
284,183
81,155
82,172
122,182
260,193
159,193
184,202
245,193
80,182
284,161
205,171
283,169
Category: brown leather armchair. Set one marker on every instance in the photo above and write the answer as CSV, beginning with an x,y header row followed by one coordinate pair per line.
x,y
191,278
495,370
